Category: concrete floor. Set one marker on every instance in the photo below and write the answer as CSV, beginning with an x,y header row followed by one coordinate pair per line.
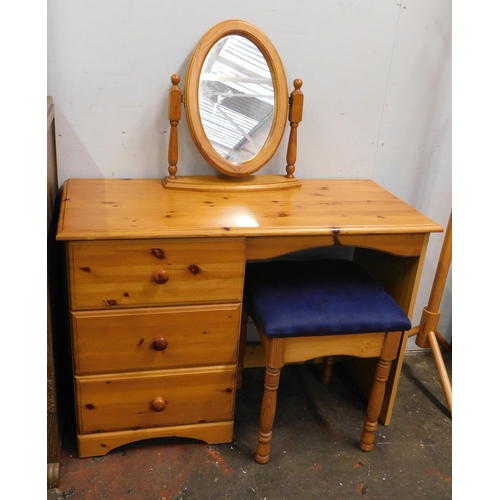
x,y
314,449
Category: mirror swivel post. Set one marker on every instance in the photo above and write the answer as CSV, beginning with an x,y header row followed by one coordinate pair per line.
x,y
295,117
174,116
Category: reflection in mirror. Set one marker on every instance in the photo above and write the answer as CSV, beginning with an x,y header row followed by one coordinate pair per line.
x,y
236,98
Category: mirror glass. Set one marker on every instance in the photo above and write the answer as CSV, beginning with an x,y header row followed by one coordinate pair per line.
x,y
236,98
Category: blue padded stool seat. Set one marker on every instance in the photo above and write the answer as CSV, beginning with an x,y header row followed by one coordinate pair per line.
x,y
320,297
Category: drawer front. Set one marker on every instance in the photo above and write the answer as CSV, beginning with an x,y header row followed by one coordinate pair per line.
x,y
128,401
155,338
114,274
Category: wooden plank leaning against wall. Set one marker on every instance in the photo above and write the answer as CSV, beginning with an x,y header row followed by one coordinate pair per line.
x,y
53,440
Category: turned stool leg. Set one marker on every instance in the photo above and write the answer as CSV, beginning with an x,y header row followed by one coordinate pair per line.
x,y
326,372
274,350
241,350
389,352
375,404
267,412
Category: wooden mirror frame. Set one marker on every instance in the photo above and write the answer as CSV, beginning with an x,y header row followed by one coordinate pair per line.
x,y
239,174
262,42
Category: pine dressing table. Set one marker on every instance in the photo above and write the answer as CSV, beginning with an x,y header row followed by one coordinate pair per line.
x,y
156,280
156,267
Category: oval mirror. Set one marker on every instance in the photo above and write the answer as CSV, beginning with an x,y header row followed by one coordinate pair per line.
x,y
236,98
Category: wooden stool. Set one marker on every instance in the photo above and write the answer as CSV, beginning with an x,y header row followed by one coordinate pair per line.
x,y
309,309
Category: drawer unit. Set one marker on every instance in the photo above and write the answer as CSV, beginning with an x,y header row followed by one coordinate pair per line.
x,y
132,401
155,272
155,338
155,331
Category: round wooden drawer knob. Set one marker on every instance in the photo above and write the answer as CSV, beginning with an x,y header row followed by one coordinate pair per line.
x,y
158,404
159,344
160,277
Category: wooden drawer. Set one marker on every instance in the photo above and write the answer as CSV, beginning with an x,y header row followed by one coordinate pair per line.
x,y
130,339
115,402
110,274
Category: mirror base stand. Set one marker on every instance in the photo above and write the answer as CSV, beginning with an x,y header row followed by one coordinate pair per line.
x,y
226,183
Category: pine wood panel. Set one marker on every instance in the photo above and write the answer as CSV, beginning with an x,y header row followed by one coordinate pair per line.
x,y
121,274
306,348
267,247
115,402
93,445
230,185
143,208
123,340
400,276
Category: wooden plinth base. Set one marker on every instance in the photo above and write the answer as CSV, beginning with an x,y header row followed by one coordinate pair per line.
x,y
226,183
98,444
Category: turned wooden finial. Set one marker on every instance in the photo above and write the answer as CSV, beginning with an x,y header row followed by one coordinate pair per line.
x,y
174,115
294,117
